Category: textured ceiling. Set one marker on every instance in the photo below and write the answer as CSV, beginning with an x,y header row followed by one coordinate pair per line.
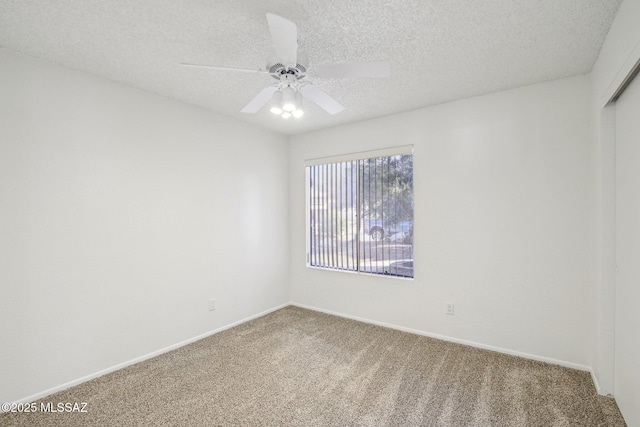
x,y
439,50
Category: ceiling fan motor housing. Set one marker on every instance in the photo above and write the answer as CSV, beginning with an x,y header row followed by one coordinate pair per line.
x,y
277,69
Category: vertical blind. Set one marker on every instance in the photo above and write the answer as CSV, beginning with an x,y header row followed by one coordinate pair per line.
x,y
360,215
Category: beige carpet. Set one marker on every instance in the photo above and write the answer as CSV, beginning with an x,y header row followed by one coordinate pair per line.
x,y
302,368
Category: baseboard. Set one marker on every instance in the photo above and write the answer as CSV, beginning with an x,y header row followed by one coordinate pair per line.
x,y
454,340
595,381
139,359
599,389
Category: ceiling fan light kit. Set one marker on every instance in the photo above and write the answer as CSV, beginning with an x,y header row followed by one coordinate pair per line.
x,y
299,111
285,98
287,101
276,103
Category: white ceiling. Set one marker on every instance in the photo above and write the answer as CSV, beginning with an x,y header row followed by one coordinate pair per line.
x,y
439,50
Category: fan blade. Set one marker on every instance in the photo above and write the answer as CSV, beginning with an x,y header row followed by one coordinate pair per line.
x,y
214,67
258,102
371,69
319,97
284,34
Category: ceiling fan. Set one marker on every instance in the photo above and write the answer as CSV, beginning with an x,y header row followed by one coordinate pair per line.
x,y
290,68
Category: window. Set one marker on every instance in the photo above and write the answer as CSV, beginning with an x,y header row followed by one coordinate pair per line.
x,y
360,212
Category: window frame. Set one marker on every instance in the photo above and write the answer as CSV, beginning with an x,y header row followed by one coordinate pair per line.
x,y
353,157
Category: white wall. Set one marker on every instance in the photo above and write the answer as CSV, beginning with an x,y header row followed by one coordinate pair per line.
x,y
503,222
121,214
619,53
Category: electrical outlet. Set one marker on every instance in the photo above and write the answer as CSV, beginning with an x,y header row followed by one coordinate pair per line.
x,y
212,304
450,308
